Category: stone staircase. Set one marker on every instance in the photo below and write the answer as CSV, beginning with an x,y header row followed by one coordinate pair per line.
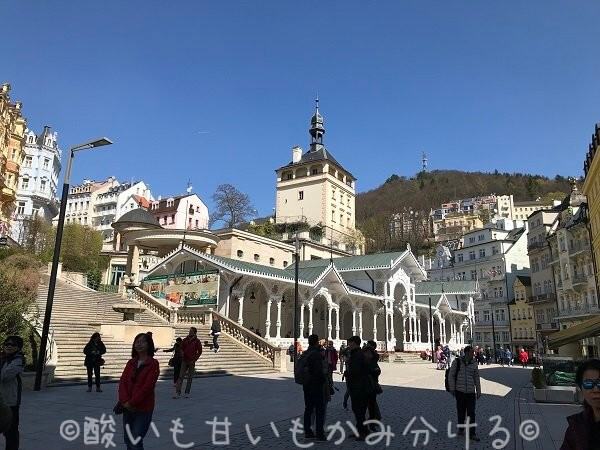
x,y
412,358
78,312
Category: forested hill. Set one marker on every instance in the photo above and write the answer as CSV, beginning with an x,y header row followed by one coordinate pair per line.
x,y
428,190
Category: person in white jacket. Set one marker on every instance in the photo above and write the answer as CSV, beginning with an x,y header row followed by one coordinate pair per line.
x,y
464,384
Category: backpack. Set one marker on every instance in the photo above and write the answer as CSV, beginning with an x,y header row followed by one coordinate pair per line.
x,y
455,375
301,371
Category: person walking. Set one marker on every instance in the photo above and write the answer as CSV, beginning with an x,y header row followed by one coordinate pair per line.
x,y
215,332
373,387
465,386
136,391
314,388
192,349
343,355
176,359
356,374
93,352
331,359
12,364
509,357
523,357
583,432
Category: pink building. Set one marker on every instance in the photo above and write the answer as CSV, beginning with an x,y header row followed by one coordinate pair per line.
x,y
181,212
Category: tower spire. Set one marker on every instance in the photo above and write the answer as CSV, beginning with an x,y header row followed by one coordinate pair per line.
x,y
317,130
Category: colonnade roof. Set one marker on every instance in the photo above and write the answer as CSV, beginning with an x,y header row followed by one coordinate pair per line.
x,y
447,287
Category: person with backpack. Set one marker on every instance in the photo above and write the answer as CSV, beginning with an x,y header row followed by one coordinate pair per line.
x,y
176,359
93,352
192,349
357,376
12,364
465,387
310,373
215,332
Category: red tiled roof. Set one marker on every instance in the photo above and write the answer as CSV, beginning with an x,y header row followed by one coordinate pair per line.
x,y
143,202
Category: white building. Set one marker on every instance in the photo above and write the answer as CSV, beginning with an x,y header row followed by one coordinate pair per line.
x,y
81,199
180,212
494,256
38,180
507,208
109,205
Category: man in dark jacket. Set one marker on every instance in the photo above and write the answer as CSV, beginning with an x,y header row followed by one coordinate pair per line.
x,y
191,348
314,394
357,376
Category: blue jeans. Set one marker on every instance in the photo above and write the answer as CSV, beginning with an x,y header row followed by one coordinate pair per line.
x,y
138,422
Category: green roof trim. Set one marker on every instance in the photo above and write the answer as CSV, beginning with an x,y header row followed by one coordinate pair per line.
x,y
448,287
424,300
349,263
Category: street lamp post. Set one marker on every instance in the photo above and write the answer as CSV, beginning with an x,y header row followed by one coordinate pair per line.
x,y
59,232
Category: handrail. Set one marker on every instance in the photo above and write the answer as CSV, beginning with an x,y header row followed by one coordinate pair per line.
x,y
247,337
152,304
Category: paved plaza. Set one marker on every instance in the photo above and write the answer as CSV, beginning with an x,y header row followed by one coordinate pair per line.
x,y
269,403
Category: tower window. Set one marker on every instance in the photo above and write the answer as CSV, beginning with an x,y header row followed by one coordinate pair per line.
x,y
301,195
256,257
240,254
315,171
272,261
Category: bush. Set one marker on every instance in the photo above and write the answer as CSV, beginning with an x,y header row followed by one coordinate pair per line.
x,y
94,277
537,378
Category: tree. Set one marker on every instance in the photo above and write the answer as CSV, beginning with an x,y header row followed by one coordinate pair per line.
x,y
232,206
81,247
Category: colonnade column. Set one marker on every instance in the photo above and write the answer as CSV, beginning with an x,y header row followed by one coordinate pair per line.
x,y
360,327
419,329
353,322
278,336
301,324
337,323
268,320
310,317
240,319
375,327
329,308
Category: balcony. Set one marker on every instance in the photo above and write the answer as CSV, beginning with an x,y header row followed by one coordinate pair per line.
x,y
546,326
579,280
579,310
536,245
549,296
578,249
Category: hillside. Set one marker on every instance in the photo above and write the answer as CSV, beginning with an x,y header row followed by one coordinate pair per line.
x,y
430,189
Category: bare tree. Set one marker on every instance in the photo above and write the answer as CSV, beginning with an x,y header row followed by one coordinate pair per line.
x,y
232,206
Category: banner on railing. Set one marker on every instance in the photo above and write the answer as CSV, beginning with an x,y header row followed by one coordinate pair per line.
x,y
190,289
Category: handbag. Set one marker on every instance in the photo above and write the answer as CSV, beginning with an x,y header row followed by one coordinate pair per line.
x,y
101,362
118,409
172,362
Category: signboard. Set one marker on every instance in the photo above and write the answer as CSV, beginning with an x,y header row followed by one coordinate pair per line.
x,y
188,289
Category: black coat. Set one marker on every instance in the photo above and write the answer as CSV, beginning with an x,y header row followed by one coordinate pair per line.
x,y
93,353
357,373
315,366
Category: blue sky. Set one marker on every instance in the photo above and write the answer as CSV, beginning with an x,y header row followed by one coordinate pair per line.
x,y
219,92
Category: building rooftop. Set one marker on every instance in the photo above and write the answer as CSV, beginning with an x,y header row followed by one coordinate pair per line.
x,y
138,216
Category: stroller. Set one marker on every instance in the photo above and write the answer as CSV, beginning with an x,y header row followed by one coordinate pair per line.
x,y
442,362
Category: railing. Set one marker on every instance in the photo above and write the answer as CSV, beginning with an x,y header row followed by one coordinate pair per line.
x,y
546,326
578,249
579,310
542,297
154,305
536,245
197,317
110,288
579,280
248,338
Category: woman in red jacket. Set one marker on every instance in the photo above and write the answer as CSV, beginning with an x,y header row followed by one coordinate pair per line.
x,y
136,391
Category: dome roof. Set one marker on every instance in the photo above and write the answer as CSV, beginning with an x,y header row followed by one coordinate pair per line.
x,y
139,216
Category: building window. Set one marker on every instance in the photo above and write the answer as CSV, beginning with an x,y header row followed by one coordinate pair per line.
x,y
28,160
481,237
315,171
25,183
333,216
472,240
471,255
14,154
482,252
285,264
505,336
240,254
46,162
289,176
43,185
272,261
494,250
21,208
460,257
256,257
473,274
486,316
301,195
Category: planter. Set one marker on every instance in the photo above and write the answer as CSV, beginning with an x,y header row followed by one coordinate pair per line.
x,y
28,379
556,394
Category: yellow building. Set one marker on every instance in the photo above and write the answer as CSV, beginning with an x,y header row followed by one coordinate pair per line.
x,y
591,189
12,139
455,225
522,323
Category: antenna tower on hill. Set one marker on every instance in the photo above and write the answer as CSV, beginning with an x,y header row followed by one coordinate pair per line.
x,y
424,163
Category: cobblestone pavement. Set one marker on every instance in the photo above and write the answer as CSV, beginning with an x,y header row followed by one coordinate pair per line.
x,y
410,390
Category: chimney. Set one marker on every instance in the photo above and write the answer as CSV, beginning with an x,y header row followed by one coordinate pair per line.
x,y
296,155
